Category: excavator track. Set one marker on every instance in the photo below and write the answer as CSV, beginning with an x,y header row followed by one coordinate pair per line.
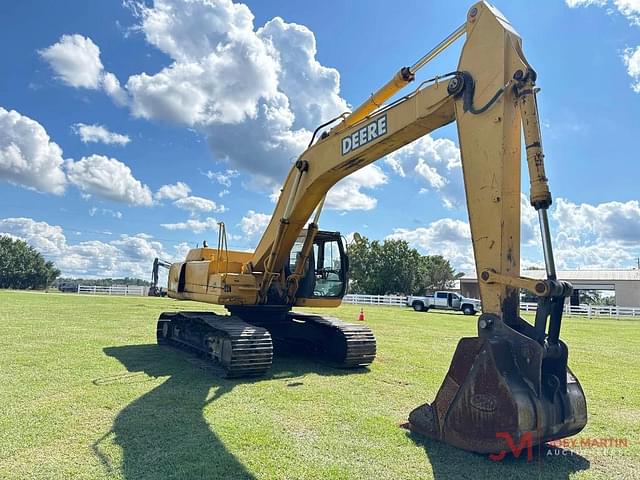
x,y
238,348
344,345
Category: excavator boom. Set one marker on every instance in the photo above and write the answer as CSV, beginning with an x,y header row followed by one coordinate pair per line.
x,y
512,379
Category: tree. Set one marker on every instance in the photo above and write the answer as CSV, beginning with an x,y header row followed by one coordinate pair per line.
x,y
393,267
23,267
594,297
435,273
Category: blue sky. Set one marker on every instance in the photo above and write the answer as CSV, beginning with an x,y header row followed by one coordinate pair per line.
x,y
106,106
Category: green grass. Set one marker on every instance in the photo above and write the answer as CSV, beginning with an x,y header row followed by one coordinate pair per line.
x,y
86,393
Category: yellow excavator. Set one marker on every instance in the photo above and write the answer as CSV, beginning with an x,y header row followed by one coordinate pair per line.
x,y
512,379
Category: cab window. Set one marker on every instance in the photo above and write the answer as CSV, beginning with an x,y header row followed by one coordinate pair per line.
x,y
328,269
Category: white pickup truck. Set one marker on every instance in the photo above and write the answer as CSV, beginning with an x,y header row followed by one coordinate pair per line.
x,y
444,301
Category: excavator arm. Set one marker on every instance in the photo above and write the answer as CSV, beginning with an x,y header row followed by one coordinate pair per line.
x,y
513,377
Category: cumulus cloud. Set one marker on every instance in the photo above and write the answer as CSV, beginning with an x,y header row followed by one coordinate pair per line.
x,y
198,204
606,235
255,93
347,194
193,224
447,237
254,223
434,161
606,222
128,255
98,133
28,157
47,239
108,178
75,60
173,192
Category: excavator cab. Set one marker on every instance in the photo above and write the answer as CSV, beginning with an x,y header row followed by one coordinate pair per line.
x,y
326,270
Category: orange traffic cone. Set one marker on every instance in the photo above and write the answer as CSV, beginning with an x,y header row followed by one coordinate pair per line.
x,y
361,316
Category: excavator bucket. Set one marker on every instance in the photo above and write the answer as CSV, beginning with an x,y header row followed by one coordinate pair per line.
x,y
502,390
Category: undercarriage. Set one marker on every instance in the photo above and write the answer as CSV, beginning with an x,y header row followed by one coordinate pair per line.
x,y
243,346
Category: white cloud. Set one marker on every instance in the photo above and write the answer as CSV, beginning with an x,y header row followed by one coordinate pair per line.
x,y
223,178
75,60
173,192
111,86
47,239
630,9
631,59
254,223
586,236
447,237
529,223
430,174
224,192
128,255
606,235
585,3
108,178
255,93
347,193
98,133
28,157
606,222
93,211
181,250
437,161
193,224
198,204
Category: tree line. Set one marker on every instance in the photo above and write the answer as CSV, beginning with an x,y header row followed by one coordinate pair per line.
x,y
393,267
23,267
104,282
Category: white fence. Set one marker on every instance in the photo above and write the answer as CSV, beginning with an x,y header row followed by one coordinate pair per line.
x,y
591,310
358,299
127,290
582,310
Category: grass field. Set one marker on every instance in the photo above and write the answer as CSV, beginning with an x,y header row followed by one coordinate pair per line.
x,y
86,393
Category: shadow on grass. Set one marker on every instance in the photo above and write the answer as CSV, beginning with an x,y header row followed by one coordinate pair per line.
x,y
163,434
548,463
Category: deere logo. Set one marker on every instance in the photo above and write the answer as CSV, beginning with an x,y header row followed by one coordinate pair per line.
x,y
364,135
484,402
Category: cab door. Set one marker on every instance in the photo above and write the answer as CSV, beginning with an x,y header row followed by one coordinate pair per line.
x,y
441,300
325,279
455,301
